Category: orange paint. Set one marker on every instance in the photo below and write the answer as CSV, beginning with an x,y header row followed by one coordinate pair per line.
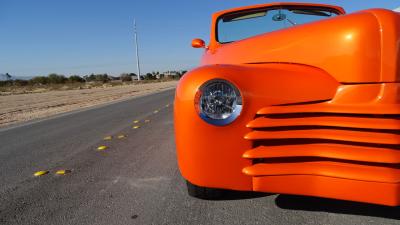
x,y
320,110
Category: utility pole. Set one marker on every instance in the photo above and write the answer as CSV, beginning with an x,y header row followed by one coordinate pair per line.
x,y
137,50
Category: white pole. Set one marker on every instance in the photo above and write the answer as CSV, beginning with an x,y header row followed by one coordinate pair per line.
x,y
137,50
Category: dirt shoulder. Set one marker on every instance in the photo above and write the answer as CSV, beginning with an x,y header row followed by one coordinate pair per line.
x,y
24,107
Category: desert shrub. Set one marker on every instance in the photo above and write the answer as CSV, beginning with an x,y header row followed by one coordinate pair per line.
x,y
41,80
20,82
98,78
56,79
5,83
150,76
125,77
76,79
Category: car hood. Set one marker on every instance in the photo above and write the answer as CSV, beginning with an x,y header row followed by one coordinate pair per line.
x,y
361,47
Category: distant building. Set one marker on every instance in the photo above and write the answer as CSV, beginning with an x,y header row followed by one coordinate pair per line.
x,y
166,74
159,75
171,73
134,76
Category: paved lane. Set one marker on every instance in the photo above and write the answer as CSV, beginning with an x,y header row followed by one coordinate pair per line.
x,y
135,180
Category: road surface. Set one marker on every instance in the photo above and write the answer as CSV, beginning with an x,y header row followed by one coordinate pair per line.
x,y
136,179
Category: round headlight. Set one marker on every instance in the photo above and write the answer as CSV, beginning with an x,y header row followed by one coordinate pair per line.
x,y
218,102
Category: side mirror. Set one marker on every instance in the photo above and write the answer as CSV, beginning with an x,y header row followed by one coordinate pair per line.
x,y
198,43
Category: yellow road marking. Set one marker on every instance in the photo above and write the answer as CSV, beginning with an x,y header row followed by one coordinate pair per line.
x,y
155,111
41,173
121,136
135,127
102,147
107,138
136,121
63,172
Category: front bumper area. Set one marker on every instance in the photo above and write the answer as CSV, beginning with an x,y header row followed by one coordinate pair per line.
x,y
346,148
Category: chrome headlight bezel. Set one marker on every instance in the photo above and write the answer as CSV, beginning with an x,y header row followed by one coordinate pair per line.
x,y
231,91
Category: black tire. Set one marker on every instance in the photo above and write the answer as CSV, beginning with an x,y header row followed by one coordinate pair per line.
x,y
203,192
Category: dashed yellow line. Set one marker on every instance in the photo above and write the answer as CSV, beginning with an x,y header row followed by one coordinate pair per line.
x,y
40,173
121,136
102,147
107,138
63,172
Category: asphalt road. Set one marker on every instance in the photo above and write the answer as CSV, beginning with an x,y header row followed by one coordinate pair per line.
x,y
136,179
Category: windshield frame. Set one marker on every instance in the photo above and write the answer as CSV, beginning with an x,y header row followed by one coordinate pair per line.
x,y
268,8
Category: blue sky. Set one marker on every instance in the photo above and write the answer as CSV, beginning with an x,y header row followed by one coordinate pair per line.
x,y
96,36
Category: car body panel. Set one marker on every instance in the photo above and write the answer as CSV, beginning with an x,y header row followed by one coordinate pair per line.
x,y
259,87
320,113
365,44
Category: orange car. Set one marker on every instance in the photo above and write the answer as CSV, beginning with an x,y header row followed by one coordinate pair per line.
x,y
295,99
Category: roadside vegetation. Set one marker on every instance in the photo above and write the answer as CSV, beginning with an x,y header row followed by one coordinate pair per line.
x,y
60,82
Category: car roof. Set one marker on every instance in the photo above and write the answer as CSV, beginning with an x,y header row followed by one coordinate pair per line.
x,y
339,9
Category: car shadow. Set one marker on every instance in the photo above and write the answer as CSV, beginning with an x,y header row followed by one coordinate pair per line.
x,y
336,206
307,203
223,194
239,195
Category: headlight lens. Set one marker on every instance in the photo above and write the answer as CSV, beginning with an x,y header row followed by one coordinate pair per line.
x,y
218,102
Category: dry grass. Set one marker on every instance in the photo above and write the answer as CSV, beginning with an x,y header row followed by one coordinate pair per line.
x,y
23,105
15,89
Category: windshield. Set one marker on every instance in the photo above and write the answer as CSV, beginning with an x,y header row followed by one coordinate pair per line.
x,y
240,25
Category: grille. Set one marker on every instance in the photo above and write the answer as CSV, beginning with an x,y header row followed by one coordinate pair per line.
x,y
359,142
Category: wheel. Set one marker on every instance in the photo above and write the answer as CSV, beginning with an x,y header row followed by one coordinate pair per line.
x,y
203,192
